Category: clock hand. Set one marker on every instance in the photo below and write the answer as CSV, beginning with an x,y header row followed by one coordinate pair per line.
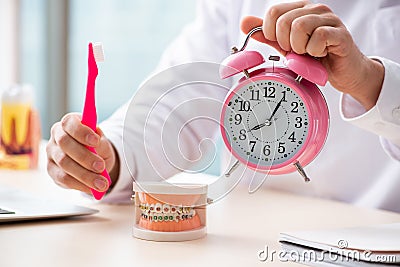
x,y
268,122
257,127
261,125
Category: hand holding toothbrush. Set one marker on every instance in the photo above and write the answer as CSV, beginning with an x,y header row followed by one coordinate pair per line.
x,y
79,154
71,164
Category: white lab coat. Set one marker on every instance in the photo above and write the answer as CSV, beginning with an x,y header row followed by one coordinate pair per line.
x,y
360,162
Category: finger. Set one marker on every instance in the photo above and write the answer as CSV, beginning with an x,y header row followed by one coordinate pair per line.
x,y
285,21
104,142
99,132
304,26
64,180
104,148
77,151
326,40
73,169
71,123
248,23
273,14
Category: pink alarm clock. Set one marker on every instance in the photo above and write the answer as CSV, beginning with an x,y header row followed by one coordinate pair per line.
x,y
274,119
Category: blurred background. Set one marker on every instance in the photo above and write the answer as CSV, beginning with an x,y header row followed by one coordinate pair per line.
x,y
44,44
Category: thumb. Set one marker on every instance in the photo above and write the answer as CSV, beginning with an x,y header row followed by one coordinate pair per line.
x,y
104,149
250,22
99,131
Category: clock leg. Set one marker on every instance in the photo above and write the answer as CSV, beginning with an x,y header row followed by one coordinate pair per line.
x,y
301,171
232,169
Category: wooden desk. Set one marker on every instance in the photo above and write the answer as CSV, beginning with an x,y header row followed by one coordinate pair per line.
x,y
239,226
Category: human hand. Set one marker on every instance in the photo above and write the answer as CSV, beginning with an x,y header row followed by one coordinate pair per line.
x,y
304,27
71,164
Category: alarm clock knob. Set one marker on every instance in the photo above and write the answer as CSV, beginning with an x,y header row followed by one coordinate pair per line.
x,y
240,61
307,67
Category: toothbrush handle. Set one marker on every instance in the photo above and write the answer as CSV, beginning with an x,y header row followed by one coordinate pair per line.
x,y
97,195
89,115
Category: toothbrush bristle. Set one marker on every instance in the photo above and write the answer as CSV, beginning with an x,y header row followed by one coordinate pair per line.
x,y
98,52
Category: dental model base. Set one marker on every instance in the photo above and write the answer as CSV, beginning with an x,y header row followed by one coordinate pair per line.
x,y
169,212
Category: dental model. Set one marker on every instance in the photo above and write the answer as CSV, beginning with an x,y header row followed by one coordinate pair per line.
x,y
166,218
19,129
15,119
169,212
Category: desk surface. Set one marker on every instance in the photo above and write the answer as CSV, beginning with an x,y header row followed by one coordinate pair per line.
x,y
105,239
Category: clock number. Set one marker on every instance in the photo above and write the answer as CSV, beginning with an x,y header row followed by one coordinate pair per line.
x,y
252,144
244,105
299,122
238,119
295,106
242,135
284,96
292,138
255,95
269,92
267,150
281,147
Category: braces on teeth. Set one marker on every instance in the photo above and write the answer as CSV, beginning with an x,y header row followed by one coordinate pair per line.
x,y
163,212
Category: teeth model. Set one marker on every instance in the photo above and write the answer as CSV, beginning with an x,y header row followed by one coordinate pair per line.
x,y
15,110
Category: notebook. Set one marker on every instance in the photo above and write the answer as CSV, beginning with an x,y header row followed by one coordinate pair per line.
x,y
361,246
17,205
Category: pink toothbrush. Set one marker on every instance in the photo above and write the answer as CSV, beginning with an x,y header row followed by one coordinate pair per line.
x,y
89,116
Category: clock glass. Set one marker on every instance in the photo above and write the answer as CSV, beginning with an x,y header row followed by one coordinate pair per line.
x,y
266,123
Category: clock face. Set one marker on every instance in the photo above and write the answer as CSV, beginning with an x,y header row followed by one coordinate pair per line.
x,y
265,122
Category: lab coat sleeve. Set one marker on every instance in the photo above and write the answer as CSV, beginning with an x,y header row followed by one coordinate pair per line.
x,y
384,118
143,156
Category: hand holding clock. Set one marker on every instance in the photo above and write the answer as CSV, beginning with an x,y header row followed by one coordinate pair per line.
x,y
304,27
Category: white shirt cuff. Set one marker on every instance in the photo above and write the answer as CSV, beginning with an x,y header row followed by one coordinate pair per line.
x,y
384,118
